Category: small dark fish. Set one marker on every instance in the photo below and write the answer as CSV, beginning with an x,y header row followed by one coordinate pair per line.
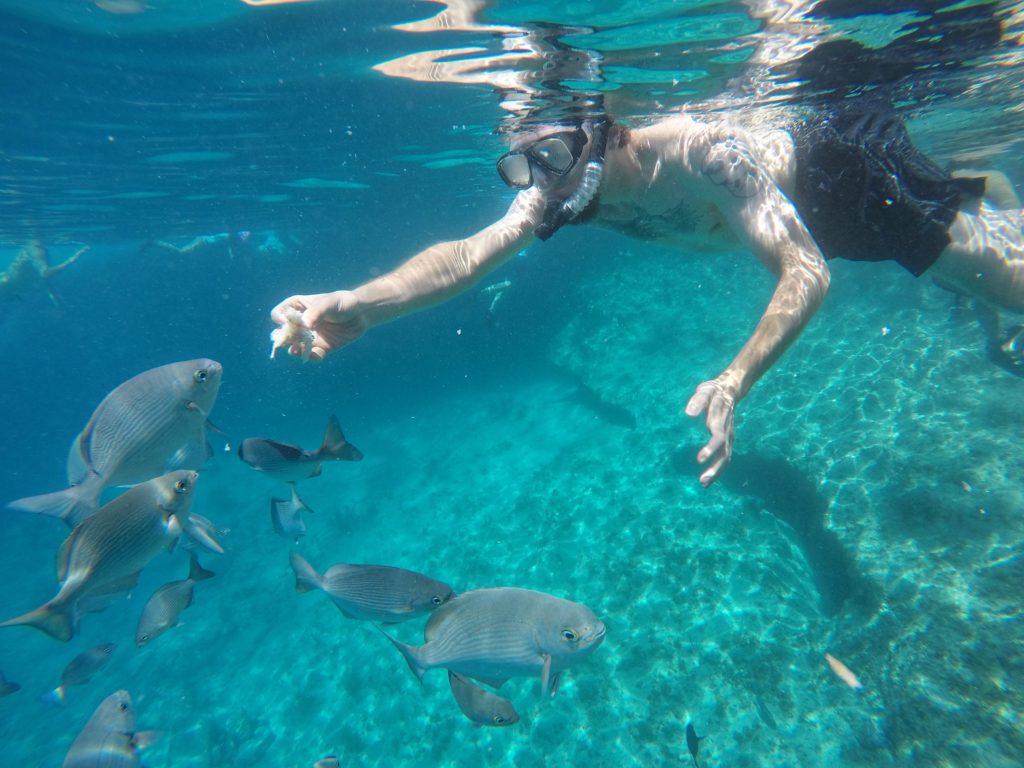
x,y
150,424
165,606
286,516
765,714
290,462
81,669
373,592
109,738
693,743
331,761
496,633
480,706
7,687
611,413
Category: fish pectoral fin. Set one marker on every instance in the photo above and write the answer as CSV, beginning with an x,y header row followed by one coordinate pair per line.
x,y
193,406
192,455
145,739
545,676
210,425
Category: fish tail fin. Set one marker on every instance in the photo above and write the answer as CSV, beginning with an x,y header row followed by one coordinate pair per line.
x,y
306,577
299,503
52,618
196,572
72,505
57,696
335,446
409,653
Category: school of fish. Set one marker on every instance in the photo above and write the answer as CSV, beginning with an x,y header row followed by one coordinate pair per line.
x,y
150,434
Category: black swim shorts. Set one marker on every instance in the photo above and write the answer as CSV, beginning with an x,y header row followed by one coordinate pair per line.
x,y
867,194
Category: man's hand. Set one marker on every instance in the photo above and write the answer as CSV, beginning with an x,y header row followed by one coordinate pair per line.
x,y
335,318
717,399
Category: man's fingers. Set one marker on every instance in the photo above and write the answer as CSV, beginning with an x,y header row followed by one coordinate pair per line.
x,y
279,314
699,401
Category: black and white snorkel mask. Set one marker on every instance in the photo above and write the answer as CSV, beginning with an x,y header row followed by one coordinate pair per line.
x,y
556,154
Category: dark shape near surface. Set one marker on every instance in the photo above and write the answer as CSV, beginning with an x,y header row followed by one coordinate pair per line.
x,y
290,462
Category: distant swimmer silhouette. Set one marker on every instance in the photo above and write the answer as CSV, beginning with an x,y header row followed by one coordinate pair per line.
x,y
31,269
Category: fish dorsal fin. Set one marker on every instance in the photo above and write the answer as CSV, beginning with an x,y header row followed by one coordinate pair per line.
x,y
196,572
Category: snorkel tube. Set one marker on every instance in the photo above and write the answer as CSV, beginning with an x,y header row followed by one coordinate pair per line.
x,y
559,212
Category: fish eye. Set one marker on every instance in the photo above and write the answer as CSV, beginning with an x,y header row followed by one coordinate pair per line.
x,y
123,706
436,600
200,375
181,486
499,720
570,635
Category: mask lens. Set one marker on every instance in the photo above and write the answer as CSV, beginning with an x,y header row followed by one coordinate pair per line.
x,y
514,170
554,155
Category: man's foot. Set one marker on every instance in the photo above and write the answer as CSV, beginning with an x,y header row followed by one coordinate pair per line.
x,y
1008,354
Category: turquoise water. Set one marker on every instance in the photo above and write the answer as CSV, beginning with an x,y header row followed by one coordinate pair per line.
x,y
873,508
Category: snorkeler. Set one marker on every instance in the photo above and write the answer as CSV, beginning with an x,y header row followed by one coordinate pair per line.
x,y
701,185
31,267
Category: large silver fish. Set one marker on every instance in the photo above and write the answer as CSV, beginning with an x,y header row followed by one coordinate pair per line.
x,y
7,687
290,462
501,632
165,606
481,706
373,592
81,669
105,553
109,739
148,425
286,516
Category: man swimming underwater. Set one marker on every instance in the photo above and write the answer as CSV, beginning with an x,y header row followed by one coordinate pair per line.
x,y
31,268
842,184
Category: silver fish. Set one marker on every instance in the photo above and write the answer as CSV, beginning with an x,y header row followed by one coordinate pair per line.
x,y
149,424
81,669
501,632
109,739
7,687
480,706
165,606
373,592
290,462
331,761
286,516
202,532
105,553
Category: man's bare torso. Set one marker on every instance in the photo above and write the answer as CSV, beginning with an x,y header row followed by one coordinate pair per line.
x,y
654,188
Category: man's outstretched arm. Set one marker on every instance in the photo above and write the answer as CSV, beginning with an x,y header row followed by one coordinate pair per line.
x,y
428,278
770,226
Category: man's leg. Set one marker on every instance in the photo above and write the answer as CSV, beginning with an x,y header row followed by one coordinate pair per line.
x,y
986,258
